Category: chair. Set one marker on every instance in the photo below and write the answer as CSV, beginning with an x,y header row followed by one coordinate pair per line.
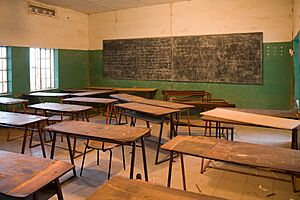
x,y
103,146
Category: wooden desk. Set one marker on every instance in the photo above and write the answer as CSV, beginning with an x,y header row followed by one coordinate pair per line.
x,y
165,104
149,92
122,188
62,108
19,120
23,176
253,155
290,114
124,135
153,114
99,101
92,93
244,118
73,90
58,95
190,94
7,101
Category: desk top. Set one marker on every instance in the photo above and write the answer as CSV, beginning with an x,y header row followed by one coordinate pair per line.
x,y
122,188
126,97
109,133
91,93
71,90
148,109
275,113
58,107
90,100
19,119
137,89
21,176
254,119
49,94
12,101
137,99
257,155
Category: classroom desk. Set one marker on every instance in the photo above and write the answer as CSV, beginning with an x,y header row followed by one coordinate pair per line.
x,y
165,104
7,101
19,120
149,92
92,93
123,135
122,188
244,118
74,90
149,113
23,176
98,101
185,94
290,114
73,110
58,95
208,105
253,155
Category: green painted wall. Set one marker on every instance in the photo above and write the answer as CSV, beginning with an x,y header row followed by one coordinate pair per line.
x,y
73,69
296,68
73,66
275,93
20,70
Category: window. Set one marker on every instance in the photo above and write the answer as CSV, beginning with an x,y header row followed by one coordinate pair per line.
x,y
3,70
41,69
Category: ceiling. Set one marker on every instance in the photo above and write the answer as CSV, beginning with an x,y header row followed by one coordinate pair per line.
x,y
98,6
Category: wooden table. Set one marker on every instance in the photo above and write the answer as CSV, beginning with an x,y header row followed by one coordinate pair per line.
x,y
7,101
165,104
149,113
108,103
73,90
23,176
185,94
73,110
58,95
254,155
122,188
250,119
290,114
123,135
149,92
19,120
92,93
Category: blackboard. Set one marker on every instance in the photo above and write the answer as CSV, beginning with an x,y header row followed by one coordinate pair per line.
x,y
225,58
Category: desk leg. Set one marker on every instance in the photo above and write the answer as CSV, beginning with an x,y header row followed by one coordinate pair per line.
x,y
182,171
170,169
132,160
41,139
53,145
171,126
87,115
58,189
24,140
144,159
120,118
188,120
158,143
71,153
294,144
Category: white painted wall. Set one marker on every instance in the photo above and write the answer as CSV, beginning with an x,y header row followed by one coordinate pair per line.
x,y
68,30
296,17
196,17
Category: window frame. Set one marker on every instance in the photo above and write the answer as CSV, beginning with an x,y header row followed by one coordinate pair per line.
x,y
4,89
44,72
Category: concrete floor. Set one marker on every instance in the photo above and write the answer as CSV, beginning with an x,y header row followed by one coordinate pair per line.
x,y
214,182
